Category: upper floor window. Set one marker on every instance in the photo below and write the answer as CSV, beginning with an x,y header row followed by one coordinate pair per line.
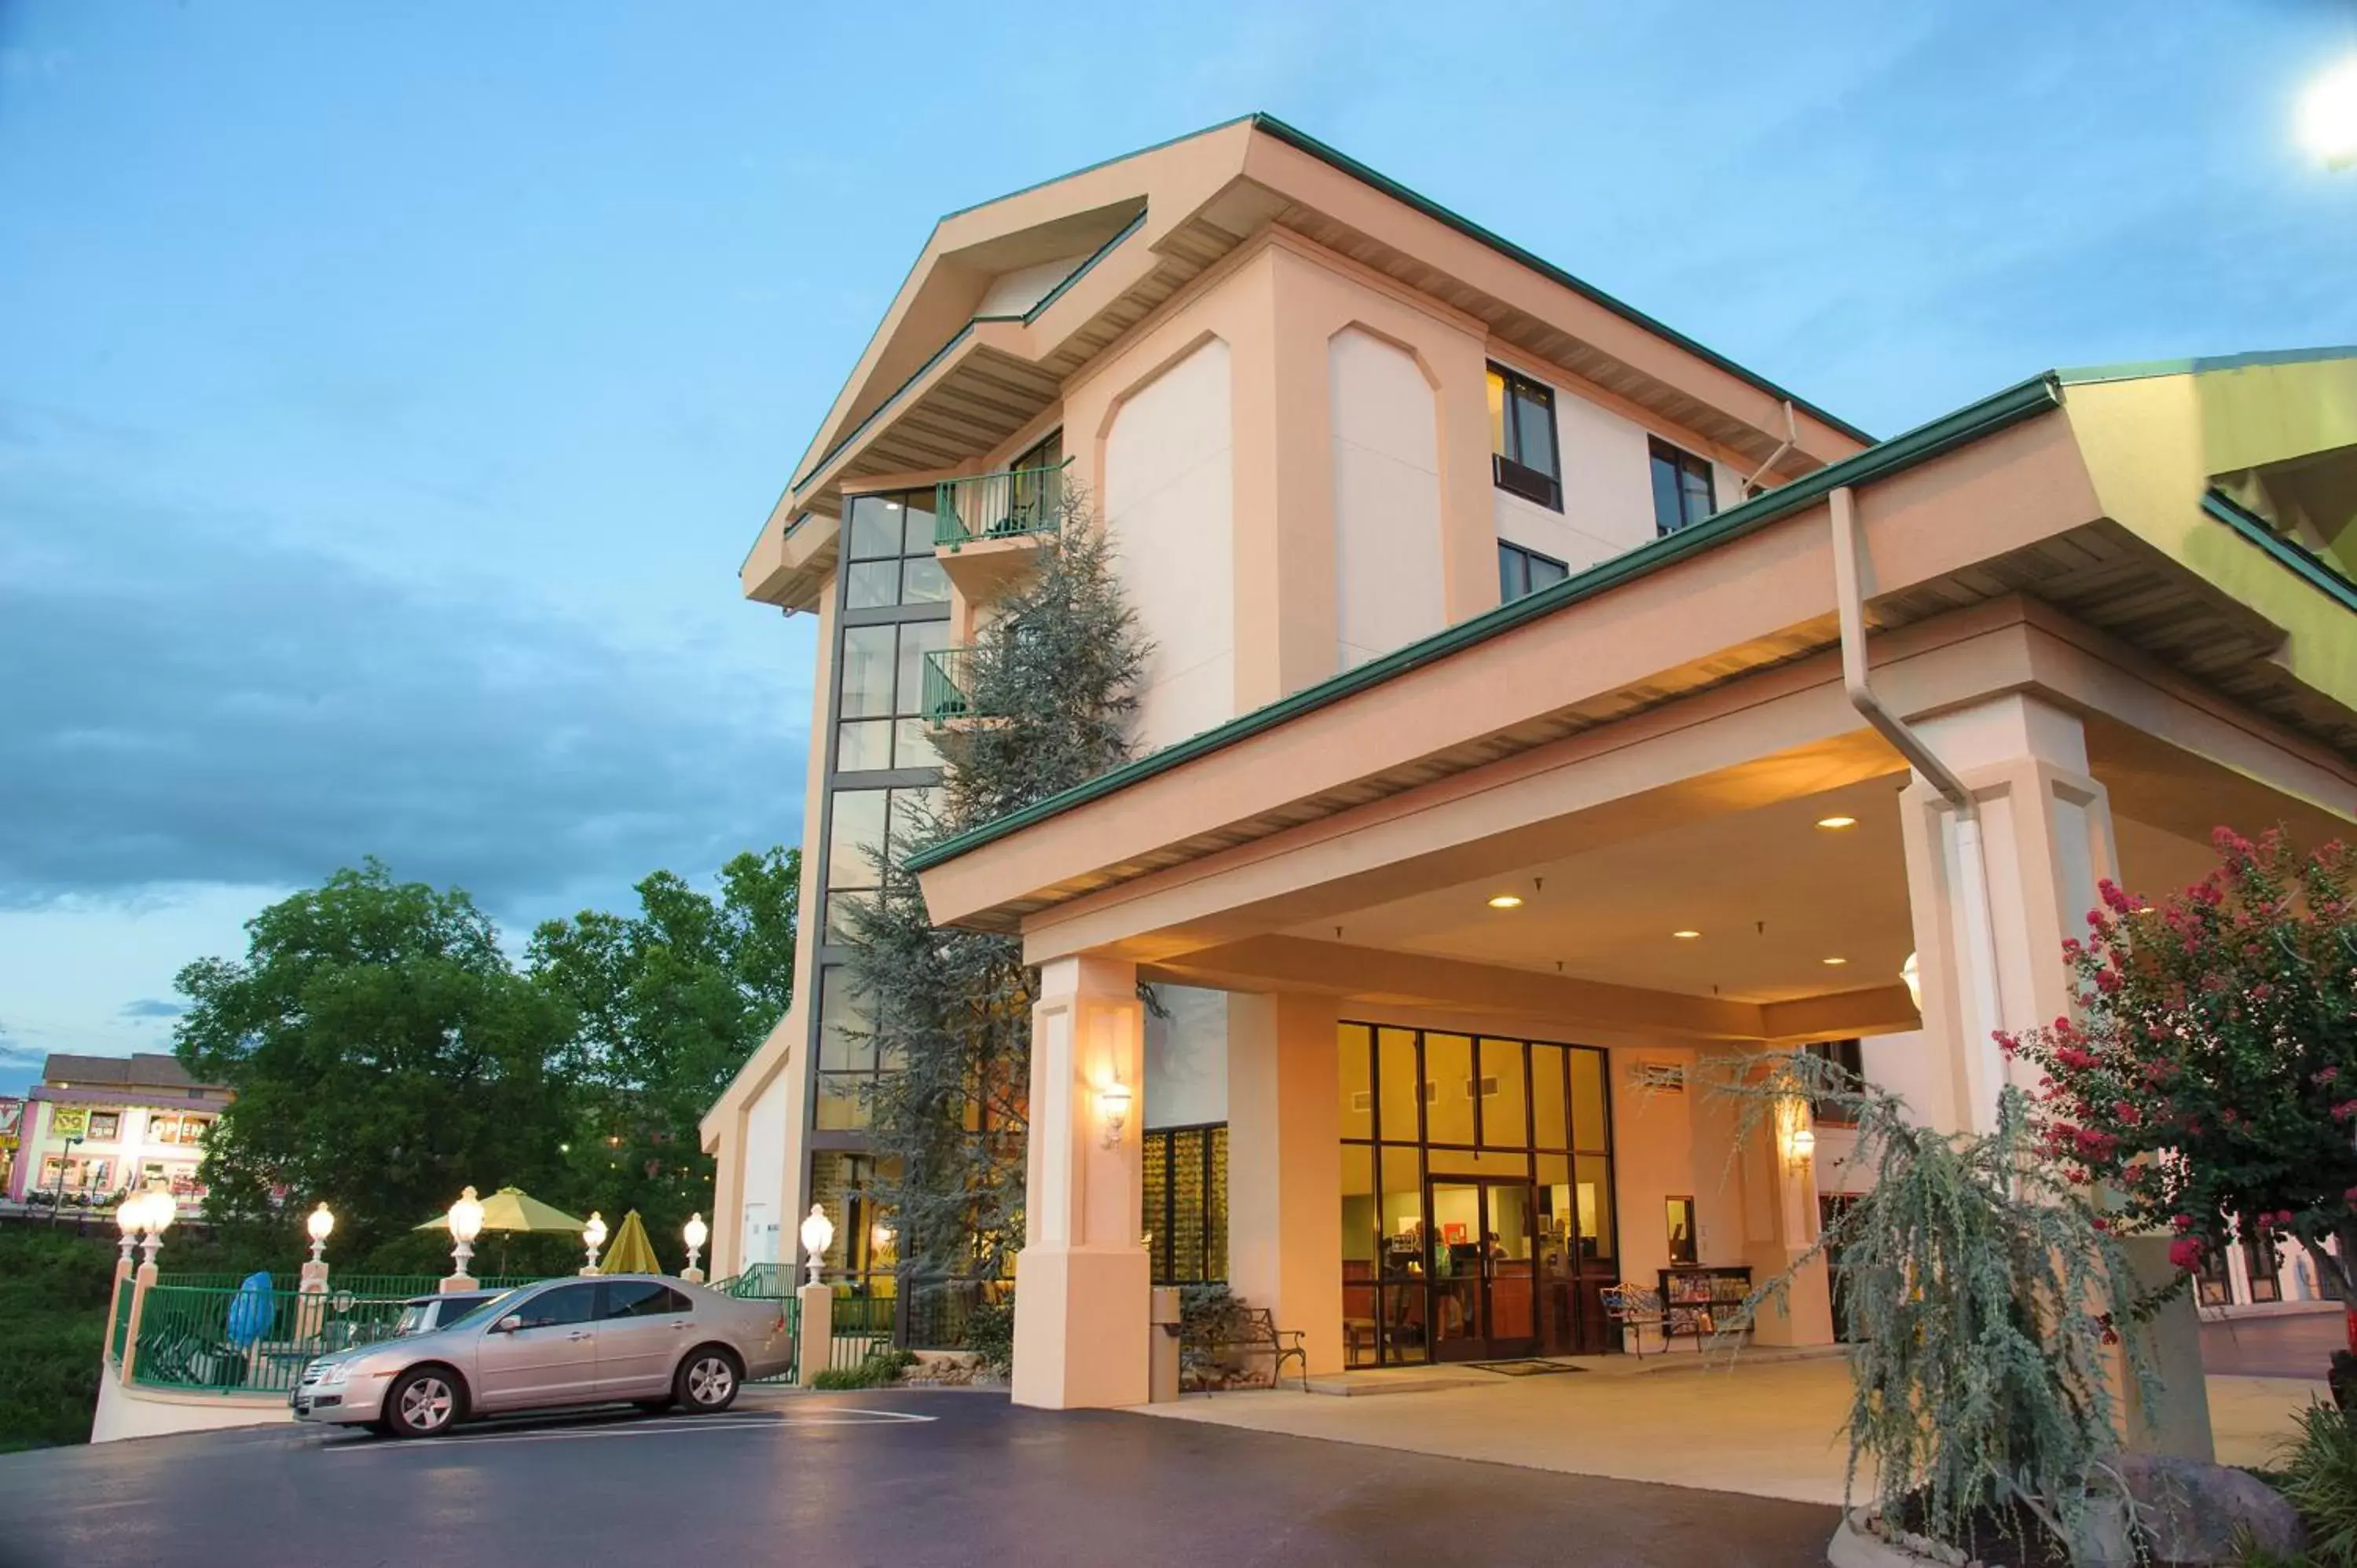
x,y
1850,1056
1521,438
1521,571
1682,493
892,557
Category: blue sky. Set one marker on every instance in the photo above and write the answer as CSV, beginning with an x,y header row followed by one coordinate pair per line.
x,y
388,394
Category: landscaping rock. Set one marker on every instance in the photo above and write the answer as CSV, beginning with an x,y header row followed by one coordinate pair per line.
x,y
2190,1510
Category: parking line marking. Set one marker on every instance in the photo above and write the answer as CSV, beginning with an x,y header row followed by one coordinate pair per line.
x,y
637,1429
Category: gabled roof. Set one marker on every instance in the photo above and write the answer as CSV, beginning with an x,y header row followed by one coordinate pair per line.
x,y
959,363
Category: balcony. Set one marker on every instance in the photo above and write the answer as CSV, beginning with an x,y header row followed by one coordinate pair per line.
x,y
948,680
987,527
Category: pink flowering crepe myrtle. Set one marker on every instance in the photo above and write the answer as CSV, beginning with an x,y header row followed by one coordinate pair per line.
x,y
2211,1071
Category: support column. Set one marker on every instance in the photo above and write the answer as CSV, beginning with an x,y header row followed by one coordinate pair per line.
x,y
1284,1171
1994,898
1082,1281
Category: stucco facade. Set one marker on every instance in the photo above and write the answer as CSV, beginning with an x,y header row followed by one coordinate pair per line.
x,y
1513,714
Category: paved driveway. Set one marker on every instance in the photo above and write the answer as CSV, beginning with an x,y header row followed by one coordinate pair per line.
x,y
903,1478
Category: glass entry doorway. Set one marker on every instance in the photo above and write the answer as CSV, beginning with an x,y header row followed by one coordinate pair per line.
x,y
1483,1270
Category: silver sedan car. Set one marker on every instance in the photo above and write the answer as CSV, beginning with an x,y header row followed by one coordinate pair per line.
x,y
654,1341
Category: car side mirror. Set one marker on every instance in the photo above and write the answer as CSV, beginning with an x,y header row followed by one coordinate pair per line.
x,y
508,1325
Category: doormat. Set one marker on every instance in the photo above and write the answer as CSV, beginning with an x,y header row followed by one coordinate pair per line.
x,y
1524,1368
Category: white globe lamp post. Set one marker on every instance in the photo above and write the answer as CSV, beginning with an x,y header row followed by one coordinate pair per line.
x,y
466,1220
593,1236
818,1235
695,1233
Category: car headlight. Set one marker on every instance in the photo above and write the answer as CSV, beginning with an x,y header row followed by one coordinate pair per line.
x,y
335,1374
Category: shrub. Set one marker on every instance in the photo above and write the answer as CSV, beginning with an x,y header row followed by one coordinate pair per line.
x,y
881,1368
2319,1477
53,1301
990,1334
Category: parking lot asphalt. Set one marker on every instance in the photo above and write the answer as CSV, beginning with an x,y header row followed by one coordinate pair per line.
x,y
904,1478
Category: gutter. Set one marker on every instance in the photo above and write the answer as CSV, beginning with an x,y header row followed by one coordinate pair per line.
x,y
1983,1067
2027,399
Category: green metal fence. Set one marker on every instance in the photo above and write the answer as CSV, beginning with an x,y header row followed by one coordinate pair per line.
x,y
767,1281
1010,504
193,1337
124,1289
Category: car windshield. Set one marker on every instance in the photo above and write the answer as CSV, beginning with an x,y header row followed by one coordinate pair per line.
x,y
412,1319
489,1311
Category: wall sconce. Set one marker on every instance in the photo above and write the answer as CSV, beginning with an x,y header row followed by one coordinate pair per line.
x,y
1112,1106
1912,974
1800,1147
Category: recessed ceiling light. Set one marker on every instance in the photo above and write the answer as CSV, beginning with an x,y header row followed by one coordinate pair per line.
x,y
1506,901
1685,936
1836,821
1832,960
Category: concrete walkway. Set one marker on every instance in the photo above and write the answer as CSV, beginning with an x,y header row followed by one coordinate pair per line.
x,y
1771,1431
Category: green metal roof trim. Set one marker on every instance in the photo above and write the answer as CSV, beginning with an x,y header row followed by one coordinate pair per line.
x,y
1547,269
2303,561
2030,398
2086,375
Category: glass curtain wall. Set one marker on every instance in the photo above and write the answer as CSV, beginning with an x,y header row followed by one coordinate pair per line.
x,y
1478,1214
892,609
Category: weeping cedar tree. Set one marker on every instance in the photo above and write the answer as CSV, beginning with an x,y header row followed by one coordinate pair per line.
x,y
1051,688
1987,1300
2211,1076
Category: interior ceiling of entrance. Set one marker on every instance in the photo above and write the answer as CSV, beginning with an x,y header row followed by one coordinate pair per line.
x,y
1772,894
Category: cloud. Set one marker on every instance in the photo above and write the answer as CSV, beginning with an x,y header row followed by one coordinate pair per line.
x,y
153,1007
193,701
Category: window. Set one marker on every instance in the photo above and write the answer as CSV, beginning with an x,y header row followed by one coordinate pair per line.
x,y
1521,571
1849,1055
1522,439
105,1126
640,1298
1682,1233
1186,1203
565,1304
1682,493
891,554
881,692
192,1128
163,1129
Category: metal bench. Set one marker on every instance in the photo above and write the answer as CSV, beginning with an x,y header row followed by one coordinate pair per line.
x,y
1637,1307
1253,1331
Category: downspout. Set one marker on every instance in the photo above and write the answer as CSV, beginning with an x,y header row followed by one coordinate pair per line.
x,y
1984,1066
1751,487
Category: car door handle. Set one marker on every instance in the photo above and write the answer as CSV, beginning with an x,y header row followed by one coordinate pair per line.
x,y
578,1334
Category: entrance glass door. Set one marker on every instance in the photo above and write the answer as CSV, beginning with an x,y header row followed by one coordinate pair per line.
x,y
1483,1274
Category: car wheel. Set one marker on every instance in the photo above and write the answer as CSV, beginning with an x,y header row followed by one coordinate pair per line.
x,y
707,1382
422,1403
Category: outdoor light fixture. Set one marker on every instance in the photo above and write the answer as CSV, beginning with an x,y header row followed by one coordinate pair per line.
x,y
1836,821
1913,976
696,1233
1506,901
130,1218
1113,1105
466,1221
818,1235
156,1211
1685,936
593,1236
1804,1146
320,1225
2328,116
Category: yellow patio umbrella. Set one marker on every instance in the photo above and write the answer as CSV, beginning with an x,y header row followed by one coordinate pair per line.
x,y
511,1210
631,1252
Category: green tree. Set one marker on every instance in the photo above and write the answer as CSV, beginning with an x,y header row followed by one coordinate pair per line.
x,y
670,1002
383,1052
1051,690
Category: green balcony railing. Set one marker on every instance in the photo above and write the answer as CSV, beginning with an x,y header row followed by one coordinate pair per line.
x,y
1010,504
948,684
123,1290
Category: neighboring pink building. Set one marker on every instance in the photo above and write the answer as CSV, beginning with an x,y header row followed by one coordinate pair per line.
x,y
1540,702
96,1125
